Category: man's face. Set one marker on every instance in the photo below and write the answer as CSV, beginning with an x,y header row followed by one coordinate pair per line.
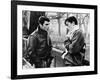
x,y
45,25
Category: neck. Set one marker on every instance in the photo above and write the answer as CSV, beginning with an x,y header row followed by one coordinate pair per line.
x,y
75,27
42,30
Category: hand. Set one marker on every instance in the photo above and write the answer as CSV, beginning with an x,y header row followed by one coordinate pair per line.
x,y
64,54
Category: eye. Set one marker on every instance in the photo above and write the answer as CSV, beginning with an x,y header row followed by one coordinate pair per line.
x,y
46,24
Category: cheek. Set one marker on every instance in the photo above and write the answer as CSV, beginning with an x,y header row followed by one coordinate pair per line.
x,y
46,27
69,24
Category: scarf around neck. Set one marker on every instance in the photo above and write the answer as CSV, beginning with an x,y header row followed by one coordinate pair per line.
x,y
70,33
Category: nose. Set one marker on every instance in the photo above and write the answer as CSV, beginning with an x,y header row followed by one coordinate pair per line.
x,y
47,27
66,24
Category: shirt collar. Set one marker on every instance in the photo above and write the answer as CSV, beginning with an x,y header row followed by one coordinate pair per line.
x,y
75,27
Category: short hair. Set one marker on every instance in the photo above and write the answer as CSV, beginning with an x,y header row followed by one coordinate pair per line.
x,y
42,19
71,20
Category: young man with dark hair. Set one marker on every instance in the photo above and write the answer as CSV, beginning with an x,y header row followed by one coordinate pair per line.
x,y
39,44
74,44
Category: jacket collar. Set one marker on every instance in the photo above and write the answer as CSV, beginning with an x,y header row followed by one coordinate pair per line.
x,y
70,33
41,31
76,27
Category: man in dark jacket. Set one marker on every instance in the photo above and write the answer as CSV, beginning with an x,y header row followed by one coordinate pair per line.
x,y
39,44
74,43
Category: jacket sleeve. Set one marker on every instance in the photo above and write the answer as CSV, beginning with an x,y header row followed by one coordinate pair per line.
x,y
32,44
50,44
67,42
77,41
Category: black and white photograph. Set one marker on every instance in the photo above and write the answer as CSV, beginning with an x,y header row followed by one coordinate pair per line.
x,y
53,40
49,39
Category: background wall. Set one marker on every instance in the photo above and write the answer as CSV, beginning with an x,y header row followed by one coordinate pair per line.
x,y
5,40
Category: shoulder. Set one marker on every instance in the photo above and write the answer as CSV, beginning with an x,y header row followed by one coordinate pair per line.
x,y
78,32
33,34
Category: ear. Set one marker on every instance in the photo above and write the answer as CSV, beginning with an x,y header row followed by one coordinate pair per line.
x,y
40,25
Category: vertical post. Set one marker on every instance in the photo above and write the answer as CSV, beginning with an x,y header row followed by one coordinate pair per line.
x,y
55,61
59,31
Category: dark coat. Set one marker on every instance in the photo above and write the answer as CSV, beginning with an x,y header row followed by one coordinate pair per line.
x,y
39,45
75,46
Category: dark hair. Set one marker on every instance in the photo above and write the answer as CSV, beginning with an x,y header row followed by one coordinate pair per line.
x,y
42,19
71,20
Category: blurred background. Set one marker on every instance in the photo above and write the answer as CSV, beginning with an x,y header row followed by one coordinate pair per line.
x,y
57,31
